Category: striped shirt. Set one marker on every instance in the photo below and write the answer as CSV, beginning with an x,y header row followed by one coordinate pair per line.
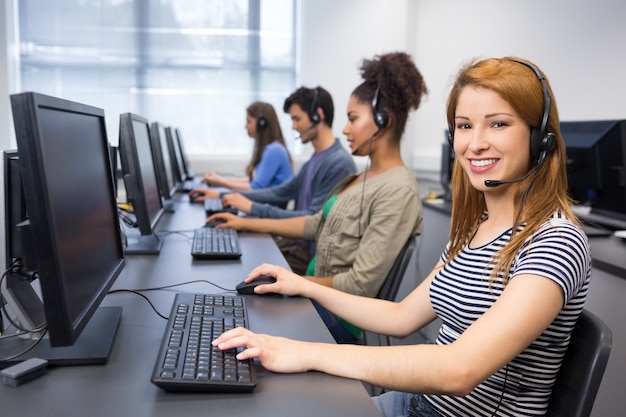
x,y
460,293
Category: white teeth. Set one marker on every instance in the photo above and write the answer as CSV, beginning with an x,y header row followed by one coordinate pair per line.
x,y
483,162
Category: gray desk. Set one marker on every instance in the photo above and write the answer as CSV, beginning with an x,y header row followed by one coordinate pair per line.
x,y
122,387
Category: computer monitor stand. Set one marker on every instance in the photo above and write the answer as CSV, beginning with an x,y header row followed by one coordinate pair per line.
x,y
93,346
143,244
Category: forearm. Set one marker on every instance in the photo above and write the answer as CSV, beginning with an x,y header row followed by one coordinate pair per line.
x,y
241,184
415,368
290,227
375,315
367,313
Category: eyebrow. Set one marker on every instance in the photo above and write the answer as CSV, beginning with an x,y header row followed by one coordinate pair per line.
x,y
487,116
492,115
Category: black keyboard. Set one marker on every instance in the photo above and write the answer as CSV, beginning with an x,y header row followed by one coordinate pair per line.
x,y
214,205
212,243
187,361
188,185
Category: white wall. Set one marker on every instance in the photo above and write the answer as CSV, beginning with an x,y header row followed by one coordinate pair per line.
x,y
579,44
338,35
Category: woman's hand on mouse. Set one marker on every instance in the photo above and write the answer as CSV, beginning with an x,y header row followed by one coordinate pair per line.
x,y
199,194
226,220
287,282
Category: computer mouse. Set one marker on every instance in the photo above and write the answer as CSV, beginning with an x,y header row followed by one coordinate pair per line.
x,y
214,223
248,287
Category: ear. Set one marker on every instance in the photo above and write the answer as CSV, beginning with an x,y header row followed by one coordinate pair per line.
x,y
320,113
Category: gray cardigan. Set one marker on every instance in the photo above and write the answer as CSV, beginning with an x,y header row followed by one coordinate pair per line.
x,y
336,164
365,230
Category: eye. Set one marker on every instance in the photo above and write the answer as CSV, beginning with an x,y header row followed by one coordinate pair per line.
x,y
462,126
499,124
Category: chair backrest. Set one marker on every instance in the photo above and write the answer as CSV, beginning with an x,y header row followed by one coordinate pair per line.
x,y
389,291
390,287
579,378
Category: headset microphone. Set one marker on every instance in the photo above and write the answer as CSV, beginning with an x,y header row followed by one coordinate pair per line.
x,y
370,140
306,131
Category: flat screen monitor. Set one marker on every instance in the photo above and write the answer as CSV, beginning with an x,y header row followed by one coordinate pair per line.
x,y
74,229
162,161
140,183
115,172
596,162
185,168
446,168
177,157
20,256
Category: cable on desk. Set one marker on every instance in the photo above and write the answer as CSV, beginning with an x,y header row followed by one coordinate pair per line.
x,y
176,232
164,287
28,349
15,267
43,329
142,296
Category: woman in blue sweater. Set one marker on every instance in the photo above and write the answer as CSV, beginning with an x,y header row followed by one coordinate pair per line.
x,y
270,164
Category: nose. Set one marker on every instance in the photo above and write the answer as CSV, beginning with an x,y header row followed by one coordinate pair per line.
x,y
477,142
346,129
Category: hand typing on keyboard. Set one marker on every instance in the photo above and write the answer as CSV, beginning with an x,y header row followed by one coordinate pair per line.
x,y
237,200
278,354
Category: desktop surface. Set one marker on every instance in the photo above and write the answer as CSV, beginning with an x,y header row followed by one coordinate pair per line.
x,y
123,387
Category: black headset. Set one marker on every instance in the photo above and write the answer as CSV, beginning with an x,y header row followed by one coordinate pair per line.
x,y
261,122
542,142
381,118
313,114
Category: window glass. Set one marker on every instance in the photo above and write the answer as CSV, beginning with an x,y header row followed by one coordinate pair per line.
x,y
192,64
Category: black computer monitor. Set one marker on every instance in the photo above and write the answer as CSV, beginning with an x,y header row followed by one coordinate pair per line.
x,y
115,171
140,183
74,230
446,167
178,160
185,167
162,161
19,251
596,165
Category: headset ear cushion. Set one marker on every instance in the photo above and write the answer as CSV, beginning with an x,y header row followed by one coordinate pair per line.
x,y
261,122
539,144
381,119
535,143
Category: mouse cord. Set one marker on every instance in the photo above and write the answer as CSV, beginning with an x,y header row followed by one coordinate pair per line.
x,y
164,287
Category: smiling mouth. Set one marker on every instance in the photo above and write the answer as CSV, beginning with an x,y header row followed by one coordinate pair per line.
x,y
483,162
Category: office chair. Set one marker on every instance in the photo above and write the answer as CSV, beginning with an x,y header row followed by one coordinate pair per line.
x,y
579,378
389,291
390,287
